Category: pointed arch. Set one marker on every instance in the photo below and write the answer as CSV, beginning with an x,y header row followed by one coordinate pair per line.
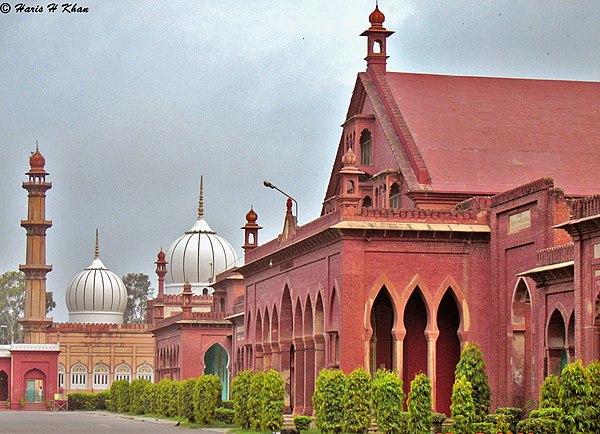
x,y
415,351
382,320
266,332
334,310
555,341
447,349
571,336
415,283
298,320
286,316
216,361
319,316
274,325
258,338
459,298
521,341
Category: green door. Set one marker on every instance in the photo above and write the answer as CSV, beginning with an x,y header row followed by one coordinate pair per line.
x,y
30,391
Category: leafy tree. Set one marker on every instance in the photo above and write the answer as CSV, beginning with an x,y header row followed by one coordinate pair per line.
x,y
574,396
472,366
357,402
12,305
254,400
208,391
462,408
419,405
138,291
549,392
272,405
387,400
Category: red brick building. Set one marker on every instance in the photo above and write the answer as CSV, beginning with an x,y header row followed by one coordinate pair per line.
x,y
439,226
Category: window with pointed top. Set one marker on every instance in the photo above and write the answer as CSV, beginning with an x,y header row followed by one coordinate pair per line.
x,y
395,197
365,147
367,202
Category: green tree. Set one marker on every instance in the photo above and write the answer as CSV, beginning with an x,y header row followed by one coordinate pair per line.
x,y
472,366
419,405
574,396
138,291
272,395
387,400
357,402
462,408
12,306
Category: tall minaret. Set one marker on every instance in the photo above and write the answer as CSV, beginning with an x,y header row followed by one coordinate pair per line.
x,y
35,268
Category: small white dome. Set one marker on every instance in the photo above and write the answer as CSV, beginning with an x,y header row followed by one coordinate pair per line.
x,y
197,257
96,295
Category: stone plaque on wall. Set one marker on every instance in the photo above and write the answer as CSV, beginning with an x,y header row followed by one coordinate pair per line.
x,y
518,222
596,251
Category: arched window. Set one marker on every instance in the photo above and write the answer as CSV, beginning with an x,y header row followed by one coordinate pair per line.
x,y
100,376
79,376
395,197
145,372
61,376
367,202
365,147
123,372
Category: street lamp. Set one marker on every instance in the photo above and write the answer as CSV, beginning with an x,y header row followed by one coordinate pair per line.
x,y
269,185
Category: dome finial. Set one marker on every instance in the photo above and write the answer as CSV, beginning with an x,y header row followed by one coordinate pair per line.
x,y
201,201
36,146
97,251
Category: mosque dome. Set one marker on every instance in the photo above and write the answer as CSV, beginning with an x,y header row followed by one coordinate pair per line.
x,y
197,257
96,295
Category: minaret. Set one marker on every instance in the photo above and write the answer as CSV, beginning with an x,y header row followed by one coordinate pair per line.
x,y
376,41
35,268
251,231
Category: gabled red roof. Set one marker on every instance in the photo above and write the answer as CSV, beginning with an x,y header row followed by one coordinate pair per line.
x,y
487,135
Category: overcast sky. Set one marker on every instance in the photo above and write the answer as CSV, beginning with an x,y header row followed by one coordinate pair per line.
x,y
133,101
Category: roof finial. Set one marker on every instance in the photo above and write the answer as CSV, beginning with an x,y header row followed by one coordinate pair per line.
x,y
36,146
97,252
201,201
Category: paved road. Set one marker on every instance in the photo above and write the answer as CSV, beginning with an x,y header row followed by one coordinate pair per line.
x,y
76,422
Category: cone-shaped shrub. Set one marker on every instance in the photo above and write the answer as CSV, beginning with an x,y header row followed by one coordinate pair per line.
x,y
272,402
240,393
387,401
208,390
593,371
462,409
255,400
472,366
328,400
549,392
574,396
357,402
419,405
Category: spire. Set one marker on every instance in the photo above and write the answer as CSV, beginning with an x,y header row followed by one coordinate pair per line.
x,y
201,201
97,251
376,40
37,148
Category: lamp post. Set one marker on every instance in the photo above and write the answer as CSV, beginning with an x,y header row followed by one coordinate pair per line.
x,y
269,185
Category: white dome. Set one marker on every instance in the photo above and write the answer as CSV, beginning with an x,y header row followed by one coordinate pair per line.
x,y
96,295
197,257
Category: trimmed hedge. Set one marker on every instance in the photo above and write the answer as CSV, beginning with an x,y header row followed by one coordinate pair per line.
x,y
538,426
272,395
226,404
225,415
513,416
187,402
138,396
554,413
208,390
302,423
387,395
87,401
119,396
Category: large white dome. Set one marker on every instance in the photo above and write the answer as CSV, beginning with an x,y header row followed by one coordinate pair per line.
x,y
197,257
96,295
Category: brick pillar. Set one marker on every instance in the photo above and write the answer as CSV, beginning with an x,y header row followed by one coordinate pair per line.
x,y
276,356
299,376
285,362
432,336
309,377
258,357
